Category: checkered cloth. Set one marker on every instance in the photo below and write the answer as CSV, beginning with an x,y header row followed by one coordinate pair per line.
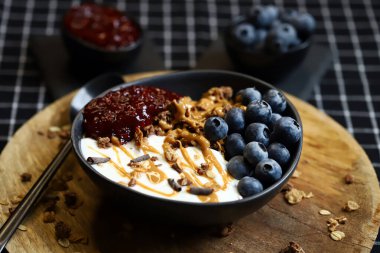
x,y
182,30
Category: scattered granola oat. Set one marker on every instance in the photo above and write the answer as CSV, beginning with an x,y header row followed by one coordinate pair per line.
x,y
48,217
324,212
62,230
341,219
293,247
351,206
4,202
294,196
16,199
296,174
103,142
332,224
349,179
22,227
226,230
26,177
71,199
337,235
64,242
287,187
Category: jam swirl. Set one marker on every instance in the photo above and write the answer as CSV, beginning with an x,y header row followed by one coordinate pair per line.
x,y
101,26
120,112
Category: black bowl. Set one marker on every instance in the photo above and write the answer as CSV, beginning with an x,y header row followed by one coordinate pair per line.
x,y
86,55
191,83
260,63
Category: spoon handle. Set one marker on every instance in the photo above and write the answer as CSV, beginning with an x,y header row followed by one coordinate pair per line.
x,y
33,195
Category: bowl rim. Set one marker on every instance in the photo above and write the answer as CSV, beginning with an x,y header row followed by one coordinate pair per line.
x,y
285,177
94,47
240,19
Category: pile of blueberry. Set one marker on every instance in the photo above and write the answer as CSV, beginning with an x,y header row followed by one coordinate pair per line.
x,y
258,140
269,30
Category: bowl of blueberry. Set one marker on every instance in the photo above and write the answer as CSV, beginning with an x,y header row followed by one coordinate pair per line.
x,y
269,42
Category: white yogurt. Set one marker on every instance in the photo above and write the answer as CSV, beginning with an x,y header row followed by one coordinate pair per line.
x,y
118,156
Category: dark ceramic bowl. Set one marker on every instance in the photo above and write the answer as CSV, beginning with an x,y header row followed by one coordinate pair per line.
x,y
87,55
191,83
262,64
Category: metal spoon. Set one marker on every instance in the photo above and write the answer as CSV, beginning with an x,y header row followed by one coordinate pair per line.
x,y
83,96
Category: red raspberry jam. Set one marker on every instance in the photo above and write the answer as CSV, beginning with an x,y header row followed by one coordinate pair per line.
x,y
102,26
120,112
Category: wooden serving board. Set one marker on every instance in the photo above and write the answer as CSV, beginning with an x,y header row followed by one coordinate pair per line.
x,y
329,153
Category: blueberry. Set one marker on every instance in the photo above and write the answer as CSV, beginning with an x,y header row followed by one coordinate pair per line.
x,y
304,23
215,128
249,186
276,100
288,15
273,11
244,33
258,111
263,16
248,95
254,152
273,119
235,120
281,38
257,132
279,153
268,171
287,131
237,167
261,35
234,145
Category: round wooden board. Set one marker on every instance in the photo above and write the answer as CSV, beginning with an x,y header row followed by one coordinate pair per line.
x,y
329,153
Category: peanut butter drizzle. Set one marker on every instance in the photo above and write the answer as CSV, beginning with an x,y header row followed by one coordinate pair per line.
x,y
123,173
151,189
210,198
205,147
187,157
154,168
119,168
125,151
117,154
146,147
193,179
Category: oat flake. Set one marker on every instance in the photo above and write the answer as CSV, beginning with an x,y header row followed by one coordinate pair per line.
x,y
337,235
22,228
64,242
294,196
296,174
324,212
351,206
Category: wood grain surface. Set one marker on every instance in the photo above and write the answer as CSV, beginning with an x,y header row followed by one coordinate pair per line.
x,y
329,153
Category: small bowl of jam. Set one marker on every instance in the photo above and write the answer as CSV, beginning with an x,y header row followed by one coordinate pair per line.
x,y
102,36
